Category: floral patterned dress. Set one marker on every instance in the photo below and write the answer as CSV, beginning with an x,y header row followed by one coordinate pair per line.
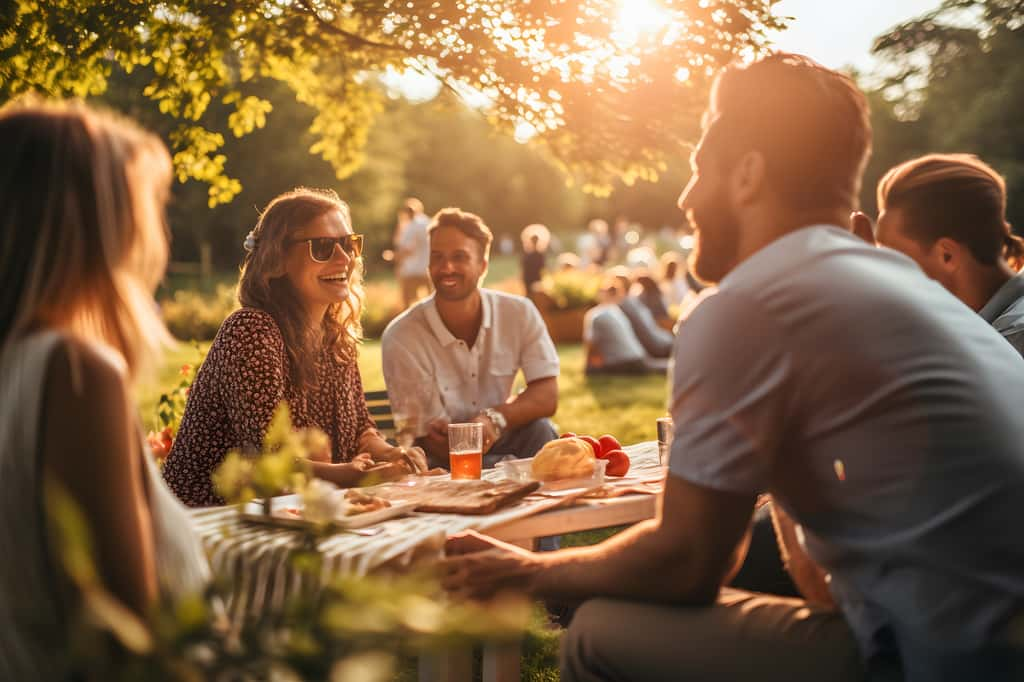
x,y
245,375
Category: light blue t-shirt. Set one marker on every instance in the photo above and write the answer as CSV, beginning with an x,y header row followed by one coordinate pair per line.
x,y
1005,312
885,417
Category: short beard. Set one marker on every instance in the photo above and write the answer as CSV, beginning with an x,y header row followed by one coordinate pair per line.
x,y
715,248
442,293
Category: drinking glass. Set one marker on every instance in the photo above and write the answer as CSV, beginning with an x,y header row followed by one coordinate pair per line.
x,y
465,448
665,430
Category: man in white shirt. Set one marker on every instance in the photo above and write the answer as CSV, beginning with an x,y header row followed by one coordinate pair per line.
x,y
411,250
461,349
880,412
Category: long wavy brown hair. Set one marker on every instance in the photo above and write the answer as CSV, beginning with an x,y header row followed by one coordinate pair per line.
x,y
264,284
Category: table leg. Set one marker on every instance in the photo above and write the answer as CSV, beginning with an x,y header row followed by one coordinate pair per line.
x,y
501,661
451,665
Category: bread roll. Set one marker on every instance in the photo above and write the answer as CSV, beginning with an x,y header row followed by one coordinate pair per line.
x,y
563,458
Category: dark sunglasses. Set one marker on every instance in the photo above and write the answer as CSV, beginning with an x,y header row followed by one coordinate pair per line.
x,y
322,248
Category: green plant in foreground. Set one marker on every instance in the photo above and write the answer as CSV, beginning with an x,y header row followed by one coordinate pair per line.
x,y
281,465
351,628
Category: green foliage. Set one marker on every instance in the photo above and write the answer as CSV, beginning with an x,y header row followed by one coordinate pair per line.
x,y
281,465
605,103
170,407
571,290
958,86
190,314
352,628
382,304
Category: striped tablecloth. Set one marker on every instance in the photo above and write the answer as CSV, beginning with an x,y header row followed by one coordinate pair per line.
x,y
254,557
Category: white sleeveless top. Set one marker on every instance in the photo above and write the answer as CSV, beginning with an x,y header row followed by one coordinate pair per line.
x,y
32,617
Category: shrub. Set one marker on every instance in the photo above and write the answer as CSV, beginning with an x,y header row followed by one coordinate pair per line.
x,y
193,315
382,304
573,290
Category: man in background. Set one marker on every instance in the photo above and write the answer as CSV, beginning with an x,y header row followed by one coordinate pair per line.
x,y
948,213
411,251
464,345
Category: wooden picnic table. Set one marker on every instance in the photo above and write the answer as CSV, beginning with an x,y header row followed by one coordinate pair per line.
x,y
255,557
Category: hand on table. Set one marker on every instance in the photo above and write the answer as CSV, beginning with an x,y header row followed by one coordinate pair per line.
x,y
478,567
413,457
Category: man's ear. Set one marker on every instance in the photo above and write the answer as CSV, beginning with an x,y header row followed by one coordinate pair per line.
x,y
949,254
860,225
748,177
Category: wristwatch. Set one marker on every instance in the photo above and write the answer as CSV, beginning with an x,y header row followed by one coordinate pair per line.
x,y
498,419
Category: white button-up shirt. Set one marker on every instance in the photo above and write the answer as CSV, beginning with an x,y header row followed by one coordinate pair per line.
x,y
456,381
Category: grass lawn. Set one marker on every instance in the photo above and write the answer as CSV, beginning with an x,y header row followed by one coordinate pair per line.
x,y
625,407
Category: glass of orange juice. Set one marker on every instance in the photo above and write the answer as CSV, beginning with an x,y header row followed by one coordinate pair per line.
x,y
465,447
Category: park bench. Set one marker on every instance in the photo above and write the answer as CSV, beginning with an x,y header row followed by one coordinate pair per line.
x,y
380,409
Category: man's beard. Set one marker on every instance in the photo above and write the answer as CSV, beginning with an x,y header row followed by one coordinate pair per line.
x,y
460,292
716,244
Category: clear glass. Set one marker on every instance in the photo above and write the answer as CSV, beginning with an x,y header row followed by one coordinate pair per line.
x,y
665,431
409,404
465,450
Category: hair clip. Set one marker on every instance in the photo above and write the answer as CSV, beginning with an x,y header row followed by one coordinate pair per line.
x,y
250,241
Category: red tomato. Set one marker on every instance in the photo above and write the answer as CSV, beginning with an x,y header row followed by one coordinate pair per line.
x,y
608,443
592,442
618,463
568,434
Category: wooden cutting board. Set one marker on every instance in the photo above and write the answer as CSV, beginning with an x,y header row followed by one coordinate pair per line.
x,y
455,497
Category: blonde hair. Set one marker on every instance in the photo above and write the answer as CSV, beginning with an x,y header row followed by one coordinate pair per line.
x,y
957,196
263,283
82,237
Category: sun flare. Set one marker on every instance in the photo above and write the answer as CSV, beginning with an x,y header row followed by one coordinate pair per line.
x,y
640,17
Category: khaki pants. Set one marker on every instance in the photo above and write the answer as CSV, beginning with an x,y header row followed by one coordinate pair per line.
x,y
744,636
411,286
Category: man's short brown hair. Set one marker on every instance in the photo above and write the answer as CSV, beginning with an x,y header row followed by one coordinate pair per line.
x,y
469,224
957,196
811,124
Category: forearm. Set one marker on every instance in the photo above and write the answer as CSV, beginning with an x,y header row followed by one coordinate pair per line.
x,y
632,565
538,400
808,577
342,475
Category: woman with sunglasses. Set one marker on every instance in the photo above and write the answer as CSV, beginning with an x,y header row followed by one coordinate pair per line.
x,y
294,339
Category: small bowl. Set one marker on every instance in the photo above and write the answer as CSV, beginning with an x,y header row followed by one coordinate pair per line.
x,y
519,470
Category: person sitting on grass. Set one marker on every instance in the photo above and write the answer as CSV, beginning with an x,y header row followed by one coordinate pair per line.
x,y
294,340
656,340
948,213
82,248
610,344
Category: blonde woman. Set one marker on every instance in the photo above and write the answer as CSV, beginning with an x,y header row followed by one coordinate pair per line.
x,y
82,246
294,339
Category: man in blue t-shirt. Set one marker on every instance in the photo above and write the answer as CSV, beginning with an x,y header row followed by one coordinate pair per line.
x,y
878,410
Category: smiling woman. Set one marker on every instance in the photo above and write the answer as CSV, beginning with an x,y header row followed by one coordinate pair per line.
x,y
295,340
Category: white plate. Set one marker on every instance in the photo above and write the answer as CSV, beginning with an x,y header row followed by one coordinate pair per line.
x,y
279,516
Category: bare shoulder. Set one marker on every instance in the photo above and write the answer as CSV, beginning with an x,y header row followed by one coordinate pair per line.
x,y
87,421
86,376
